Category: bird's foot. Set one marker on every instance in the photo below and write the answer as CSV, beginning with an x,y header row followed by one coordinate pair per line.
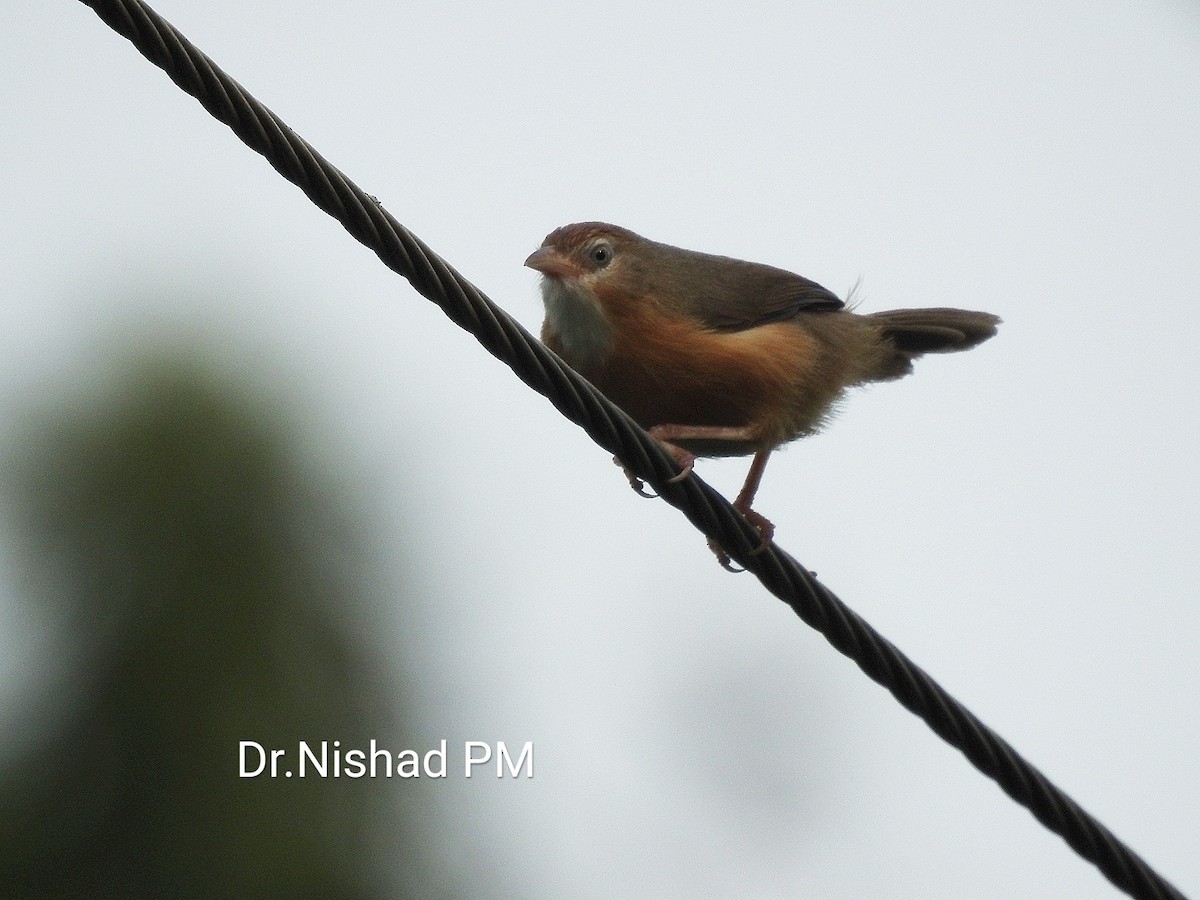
x,y
760,523
684,459
636,483
764,526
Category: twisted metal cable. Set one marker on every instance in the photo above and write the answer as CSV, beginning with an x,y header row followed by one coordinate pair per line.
x,y
612,429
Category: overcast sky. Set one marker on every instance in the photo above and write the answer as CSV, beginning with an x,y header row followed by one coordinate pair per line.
x,y
1022,520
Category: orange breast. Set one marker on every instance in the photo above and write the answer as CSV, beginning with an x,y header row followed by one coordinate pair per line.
x,y
666,370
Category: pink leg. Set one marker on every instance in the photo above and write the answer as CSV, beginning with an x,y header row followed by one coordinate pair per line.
x,y
742,504
669,434
745,500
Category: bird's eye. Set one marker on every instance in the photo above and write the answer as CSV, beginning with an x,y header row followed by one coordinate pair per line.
x,y
601,254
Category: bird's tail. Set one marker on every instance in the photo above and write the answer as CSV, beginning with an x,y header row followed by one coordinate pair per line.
x,y
915,332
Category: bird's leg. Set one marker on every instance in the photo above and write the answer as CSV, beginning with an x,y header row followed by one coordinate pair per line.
x,y
745,500
669,435
683,458
744,505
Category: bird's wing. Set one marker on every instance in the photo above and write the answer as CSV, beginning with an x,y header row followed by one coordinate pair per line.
x,y
755,294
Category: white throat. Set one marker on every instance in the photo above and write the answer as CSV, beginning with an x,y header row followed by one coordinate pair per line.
x,y
575,316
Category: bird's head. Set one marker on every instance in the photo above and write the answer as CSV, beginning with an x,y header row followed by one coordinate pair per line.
x,y
586,268
586,252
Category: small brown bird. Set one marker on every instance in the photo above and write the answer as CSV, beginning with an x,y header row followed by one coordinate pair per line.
x,y
720,357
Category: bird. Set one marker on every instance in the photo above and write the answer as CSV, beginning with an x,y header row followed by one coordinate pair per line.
x,y
717,356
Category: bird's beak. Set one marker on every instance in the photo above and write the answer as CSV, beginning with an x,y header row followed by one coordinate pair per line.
x,y
551,263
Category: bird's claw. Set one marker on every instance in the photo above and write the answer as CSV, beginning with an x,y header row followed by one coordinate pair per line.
x,y
760,523
764,526
686,470
723,559
685,459
636,483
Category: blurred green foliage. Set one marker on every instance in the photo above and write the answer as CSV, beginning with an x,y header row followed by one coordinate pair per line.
x,y
213,592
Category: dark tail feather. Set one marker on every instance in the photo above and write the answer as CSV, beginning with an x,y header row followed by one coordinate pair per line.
x,y
918,331
915,332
